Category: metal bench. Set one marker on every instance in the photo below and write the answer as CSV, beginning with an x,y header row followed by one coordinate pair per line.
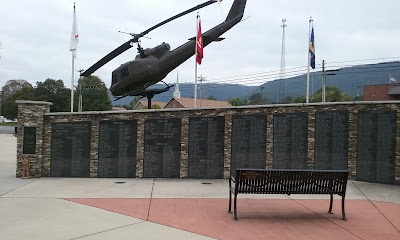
x,y
285,181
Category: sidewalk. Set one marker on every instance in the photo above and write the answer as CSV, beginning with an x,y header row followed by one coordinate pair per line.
x,y
84,208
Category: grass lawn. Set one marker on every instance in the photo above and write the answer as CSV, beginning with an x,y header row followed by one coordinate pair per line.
x,y
9,124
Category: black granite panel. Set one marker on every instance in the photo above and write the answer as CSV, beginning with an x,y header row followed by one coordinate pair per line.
x,y
376,146
70,149
162,148
206,147
117,149
290,140
248,142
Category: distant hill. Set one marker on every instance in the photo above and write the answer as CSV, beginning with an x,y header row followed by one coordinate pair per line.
x,y
349,79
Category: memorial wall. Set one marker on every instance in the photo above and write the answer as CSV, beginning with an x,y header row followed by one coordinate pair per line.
x,y
212,143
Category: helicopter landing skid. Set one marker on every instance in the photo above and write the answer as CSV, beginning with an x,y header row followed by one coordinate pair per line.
x,y
149,93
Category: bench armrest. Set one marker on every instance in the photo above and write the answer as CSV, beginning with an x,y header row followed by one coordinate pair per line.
x,y
232,179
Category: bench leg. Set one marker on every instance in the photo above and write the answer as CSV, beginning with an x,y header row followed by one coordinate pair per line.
x,y
230,201
330,204
343,213
234,208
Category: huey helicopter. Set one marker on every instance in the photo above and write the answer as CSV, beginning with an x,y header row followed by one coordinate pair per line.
x,y
152,65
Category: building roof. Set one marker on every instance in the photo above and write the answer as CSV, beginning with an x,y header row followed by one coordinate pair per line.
x,y
143,103
118,108
395,90
189,103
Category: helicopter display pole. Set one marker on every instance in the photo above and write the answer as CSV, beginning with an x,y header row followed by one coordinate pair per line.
x,y
74,43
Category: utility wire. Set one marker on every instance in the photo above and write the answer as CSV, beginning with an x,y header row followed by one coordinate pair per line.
x,y
274,75
263,80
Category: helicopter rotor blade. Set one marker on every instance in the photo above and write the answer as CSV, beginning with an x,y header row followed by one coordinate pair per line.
x,y
174,17
136,38
107,58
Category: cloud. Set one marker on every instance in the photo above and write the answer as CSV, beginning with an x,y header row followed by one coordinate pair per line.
x,y
36,40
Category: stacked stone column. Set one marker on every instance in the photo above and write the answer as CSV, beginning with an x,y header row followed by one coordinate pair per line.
x,y
30,114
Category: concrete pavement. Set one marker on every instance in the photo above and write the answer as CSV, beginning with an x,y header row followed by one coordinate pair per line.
x,y
7,130
83,208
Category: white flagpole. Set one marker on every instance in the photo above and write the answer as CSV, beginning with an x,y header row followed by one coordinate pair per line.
x,y
308,61
73,47
72,83
195,61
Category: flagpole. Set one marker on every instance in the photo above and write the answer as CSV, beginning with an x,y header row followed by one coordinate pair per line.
x,y
309,60
73,47
72,83
195,61
73,65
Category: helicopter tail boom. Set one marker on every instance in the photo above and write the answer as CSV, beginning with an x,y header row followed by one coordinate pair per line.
x,y
236,10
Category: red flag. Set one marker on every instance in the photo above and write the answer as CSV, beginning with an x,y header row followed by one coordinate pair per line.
x,y
199,44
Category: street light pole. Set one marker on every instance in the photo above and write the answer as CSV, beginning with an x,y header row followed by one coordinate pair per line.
x,y
80,91
323,81
1,101
360,96
201,87
324,74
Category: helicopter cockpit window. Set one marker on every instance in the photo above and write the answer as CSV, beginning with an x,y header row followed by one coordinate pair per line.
x,y
124,72
114,79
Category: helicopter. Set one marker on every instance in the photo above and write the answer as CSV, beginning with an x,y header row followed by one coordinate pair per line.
x,y
152,65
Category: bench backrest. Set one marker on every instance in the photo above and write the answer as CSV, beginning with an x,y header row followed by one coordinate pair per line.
x,y
281,181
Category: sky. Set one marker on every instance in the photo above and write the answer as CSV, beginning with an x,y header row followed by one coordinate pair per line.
x,y
35,36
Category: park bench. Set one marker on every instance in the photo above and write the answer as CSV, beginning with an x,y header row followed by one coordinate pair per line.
x,y
281,181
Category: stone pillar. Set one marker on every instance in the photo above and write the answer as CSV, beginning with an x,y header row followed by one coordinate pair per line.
x,y
31,120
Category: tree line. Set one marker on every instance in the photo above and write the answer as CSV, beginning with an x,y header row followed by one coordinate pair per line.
x,y
93,90
96,98
333,94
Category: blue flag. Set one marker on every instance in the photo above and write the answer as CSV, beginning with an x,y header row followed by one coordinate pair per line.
x,y
312,49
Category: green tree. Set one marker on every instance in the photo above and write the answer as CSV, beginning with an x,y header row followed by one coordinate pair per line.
x,y
55,92
94,94
211,98
257,99
357,98
300,99
287,99
12,86
8,90
239,102
333,94
10,108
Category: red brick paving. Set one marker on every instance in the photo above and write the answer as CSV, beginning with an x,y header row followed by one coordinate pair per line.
x,y
137,207
391,212
264,218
